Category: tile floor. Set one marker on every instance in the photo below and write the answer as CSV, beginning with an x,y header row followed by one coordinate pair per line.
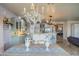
x,y
71,49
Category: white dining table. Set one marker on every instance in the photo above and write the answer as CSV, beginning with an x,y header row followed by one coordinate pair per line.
x,y
41,38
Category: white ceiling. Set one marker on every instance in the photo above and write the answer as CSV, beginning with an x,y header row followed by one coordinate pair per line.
x,y
66,10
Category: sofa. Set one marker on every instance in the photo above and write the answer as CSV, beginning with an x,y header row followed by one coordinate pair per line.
x,y
73,40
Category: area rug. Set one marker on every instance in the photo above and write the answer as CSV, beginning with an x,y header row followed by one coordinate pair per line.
x,y
21,51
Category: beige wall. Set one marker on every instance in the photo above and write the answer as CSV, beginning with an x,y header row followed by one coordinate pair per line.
x,y
1,35
4,12
67,27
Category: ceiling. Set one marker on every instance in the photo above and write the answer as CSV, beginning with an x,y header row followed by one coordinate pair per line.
x,y
62,10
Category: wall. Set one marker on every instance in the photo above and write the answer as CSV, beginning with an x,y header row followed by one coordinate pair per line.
x,y
67,27
70,30
76,30
1,35
4,37
5,12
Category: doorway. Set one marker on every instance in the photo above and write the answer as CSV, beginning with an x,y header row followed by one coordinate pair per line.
x,y
59,30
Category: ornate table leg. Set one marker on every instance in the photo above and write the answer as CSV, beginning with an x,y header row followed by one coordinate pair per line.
x,y
47,45
27,44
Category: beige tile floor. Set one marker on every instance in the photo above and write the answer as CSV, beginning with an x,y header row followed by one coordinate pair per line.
x,y
71,49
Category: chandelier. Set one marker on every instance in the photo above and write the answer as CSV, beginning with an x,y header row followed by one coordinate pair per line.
x,y
46,14
51,13
33,15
